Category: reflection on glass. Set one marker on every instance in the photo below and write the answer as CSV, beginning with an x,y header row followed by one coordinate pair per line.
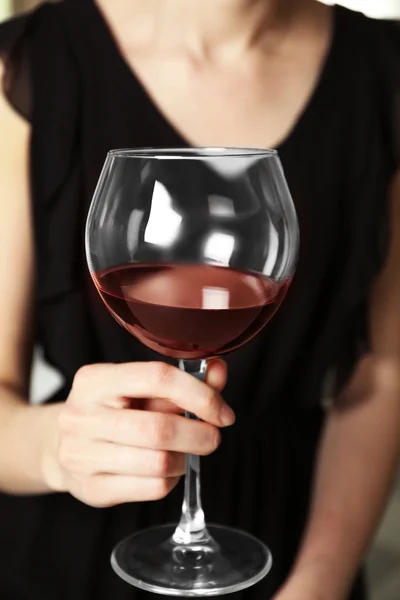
x,y
163,225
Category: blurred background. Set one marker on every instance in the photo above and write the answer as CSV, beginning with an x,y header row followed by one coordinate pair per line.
x,y
384,557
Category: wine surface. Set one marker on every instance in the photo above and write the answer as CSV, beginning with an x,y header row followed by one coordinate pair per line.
x,y
189,311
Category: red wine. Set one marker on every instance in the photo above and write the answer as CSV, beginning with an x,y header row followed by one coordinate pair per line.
x,y
189,311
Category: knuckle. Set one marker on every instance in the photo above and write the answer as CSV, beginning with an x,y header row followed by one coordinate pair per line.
x,y
161,373
160,489
180,464
67,457
162,463
88,492
91,377
120,423
62,454
160,430
93,494
210,401
68,420
83,375
213,439
125,459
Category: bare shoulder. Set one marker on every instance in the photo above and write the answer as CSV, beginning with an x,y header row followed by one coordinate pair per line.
x,y
16,247
321,14
10,120
315,25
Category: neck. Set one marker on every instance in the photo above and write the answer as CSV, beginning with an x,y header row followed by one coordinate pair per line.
x,y
218,23
209,27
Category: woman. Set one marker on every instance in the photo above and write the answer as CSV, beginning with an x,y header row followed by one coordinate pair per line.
x,y
319,83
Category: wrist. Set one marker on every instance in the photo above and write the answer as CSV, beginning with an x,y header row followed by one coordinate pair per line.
x,y
38,442
28,446
51,472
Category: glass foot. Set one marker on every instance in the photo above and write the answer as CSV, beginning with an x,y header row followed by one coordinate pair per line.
x,y
231,561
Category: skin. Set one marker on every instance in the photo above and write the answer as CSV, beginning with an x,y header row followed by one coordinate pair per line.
x,y
259,62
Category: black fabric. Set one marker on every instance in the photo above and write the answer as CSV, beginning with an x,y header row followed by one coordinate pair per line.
x,y
65,75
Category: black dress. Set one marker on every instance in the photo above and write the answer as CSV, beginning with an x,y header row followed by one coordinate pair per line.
x,y
65,74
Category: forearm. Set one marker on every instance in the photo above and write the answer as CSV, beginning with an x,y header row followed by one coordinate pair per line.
x,y
354,474
26,438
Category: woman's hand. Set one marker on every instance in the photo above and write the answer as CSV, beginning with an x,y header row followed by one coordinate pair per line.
x,y
111,446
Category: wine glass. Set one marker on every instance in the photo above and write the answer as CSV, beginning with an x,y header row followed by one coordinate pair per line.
x,y
192,251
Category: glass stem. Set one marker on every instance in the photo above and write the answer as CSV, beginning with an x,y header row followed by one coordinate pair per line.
x,y
192,527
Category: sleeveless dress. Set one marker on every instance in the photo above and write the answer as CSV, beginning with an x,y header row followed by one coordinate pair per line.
x,y
64,74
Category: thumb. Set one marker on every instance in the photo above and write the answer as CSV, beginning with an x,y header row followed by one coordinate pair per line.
x,y
217,373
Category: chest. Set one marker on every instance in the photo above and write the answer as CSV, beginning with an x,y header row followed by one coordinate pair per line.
x,y
248,105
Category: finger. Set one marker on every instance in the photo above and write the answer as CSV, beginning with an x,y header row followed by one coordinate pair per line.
x,y
216,378
160,405
110,490
156,431
100,383
217,373
108,458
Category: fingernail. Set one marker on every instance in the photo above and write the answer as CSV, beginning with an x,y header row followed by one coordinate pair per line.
x,y
227,415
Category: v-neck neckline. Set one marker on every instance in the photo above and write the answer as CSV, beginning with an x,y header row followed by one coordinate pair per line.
x,y
320,90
